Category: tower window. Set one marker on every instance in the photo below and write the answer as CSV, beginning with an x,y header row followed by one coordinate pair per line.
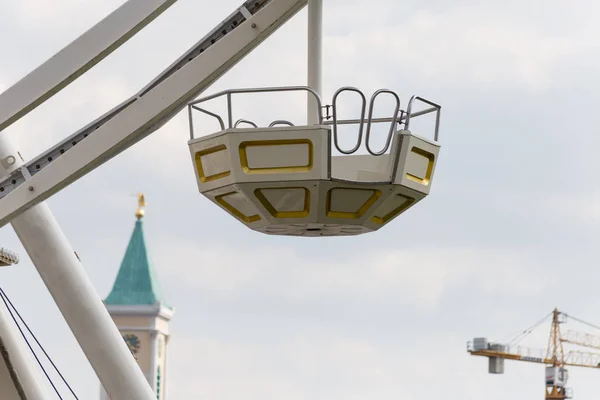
x,y
158,384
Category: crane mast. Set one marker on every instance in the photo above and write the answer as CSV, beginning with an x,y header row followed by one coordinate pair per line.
x,y
554,357
556,374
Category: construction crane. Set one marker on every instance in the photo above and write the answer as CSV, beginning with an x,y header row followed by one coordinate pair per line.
x,y
555,357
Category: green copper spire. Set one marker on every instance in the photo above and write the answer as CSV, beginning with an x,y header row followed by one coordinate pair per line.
x,y
136,282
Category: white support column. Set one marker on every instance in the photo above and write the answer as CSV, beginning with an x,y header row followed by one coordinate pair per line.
x,y
29,379
315,56
75,295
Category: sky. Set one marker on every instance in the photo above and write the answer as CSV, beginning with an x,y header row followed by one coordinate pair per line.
x,y
507,233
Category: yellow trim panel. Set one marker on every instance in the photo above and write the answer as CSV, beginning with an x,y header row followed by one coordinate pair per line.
x,y
404,205
284,214
244,146
425,180
245,218
198,159
376,194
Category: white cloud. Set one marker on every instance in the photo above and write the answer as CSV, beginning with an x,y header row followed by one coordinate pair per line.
x,y
556,206
417,277
34,14
221,370
327,367
468,45
67,112
291,368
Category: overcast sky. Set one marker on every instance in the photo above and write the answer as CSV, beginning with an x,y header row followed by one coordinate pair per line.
x,y
508,232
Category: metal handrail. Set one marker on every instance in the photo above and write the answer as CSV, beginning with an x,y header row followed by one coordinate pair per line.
x,y
435,107
244,121
280,122
230,92
399,116
524,351
361,120
217,116
392,125
389,119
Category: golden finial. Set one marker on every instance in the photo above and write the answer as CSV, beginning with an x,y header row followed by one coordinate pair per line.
x,y
141,204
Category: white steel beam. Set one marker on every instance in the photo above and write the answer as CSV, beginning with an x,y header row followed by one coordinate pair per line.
x,y
78,57
145,112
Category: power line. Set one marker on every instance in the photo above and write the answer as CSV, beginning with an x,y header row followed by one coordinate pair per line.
x,y
10,305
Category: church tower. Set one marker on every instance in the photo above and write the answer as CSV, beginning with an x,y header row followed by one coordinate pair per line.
x,y
139,310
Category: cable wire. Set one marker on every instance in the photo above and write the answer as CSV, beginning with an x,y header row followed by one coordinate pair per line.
x,y
10,305
582,322
6,302
527,331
